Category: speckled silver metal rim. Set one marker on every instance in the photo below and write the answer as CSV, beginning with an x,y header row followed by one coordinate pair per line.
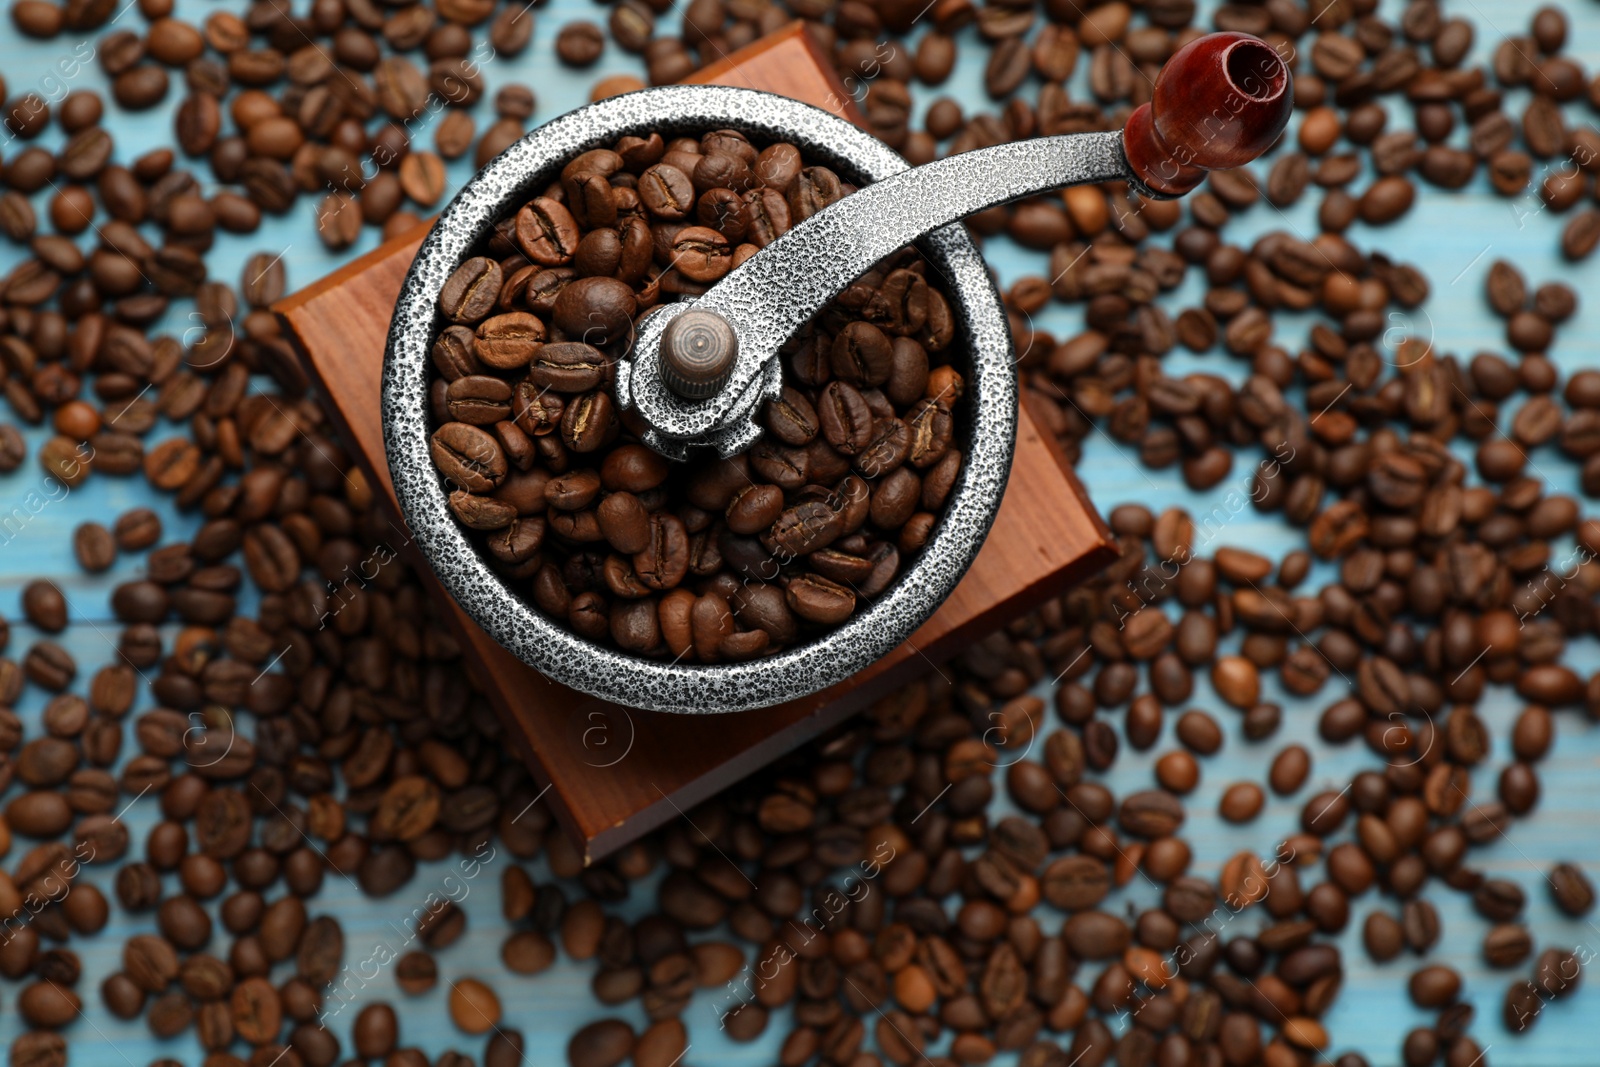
x,y
529,165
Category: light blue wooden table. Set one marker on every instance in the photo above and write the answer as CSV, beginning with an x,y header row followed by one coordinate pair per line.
x,y
1453,237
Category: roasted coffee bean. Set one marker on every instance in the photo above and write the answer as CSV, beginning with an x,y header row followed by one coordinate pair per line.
x,y
416,972
567,367
39,814
49,666
625,522
48,1005
1421,925
474,1007
1151,814
507,342
468,456
1076,883
471,292
1289,770
546,232
579,44
1498,900
603,1043
44,606
819,600
589,422
527,952
94,546
1506,945
1383,936
1434,986
479,399
375,1031
1557,972
1241,802
844,417
422,176
754,509
1581,235
1522,1006
137,530
13,449
1570,889
1236,680
792,419
807,528
595,311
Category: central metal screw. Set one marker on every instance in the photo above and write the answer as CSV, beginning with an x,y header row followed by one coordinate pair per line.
x,y
698,353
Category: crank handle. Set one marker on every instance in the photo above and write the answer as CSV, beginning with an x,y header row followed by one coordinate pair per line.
x,y
1219,102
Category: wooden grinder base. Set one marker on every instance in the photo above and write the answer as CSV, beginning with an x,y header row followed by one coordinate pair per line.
x,y
612,772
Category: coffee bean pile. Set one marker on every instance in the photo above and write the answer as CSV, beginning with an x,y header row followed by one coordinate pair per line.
x,y
712,560
864,895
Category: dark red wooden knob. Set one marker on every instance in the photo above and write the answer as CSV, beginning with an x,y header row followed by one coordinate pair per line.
x,y
1219,102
